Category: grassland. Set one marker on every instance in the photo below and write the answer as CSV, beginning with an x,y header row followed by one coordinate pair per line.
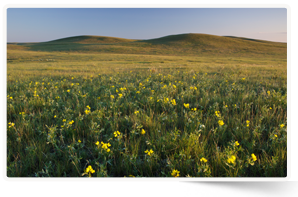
x,y
190,105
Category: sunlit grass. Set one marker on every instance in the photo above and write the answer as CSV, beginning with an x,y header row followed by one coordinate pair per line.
x,y
147,124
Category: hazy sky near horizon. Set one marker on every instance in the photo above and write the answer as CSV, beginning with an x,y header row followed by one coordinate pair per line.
x,y
45,24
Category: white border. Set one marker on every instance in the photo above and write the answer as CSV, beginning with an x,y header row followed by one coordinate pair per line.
x,y
166,6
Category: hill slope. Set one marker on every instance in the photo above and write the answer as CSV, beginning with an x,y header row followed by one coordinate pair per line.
x,y
182,44
91,40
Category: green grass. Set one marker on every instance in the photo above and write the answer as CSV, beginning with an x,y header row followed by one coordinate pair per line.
x,y
200,45
104,92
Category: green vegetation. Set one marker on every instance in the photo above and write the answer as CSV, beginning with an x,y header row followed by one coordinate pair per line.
x,y
92,110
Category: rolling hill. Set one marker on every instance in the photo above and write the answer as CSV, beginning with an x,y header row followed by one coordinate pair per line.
x,y
182,44
90,40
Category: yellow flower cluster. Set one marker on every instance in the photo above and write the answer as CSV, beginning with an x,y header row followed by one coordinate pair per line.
x,y
254,158
87,111
236,143
220,122
71,122
186,105
166,100
116,133
120,95
35,94
231,159
247,123
203,160
122,89
175,173
173,101
149,152
89,170
10,124
217,113
137,112
104,146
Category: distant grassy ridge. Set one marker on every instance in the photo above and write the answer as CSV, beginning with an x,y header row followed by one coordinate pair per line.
x,y
91,40
183,44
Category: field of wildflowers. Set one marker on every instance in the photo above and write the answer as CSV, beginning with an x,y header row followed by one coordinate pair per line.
x,y
147,123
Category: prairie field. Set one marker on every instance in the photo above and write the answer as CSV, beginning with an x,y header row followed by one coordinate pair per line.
x,y
190,105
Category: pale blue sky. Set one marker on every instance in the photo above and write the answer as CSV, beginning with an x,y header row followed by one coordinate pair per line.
x,y
45,24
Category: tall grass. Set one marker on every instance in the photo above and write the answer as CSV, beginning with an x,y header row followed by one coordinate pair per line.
x,y
201,124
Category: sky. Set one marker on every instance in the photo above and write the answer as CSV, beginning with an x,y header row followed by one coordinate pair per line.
x,y
45,24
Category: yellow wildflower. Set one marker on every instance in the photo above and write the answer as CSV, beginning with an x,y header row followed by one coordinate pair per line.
x,y
220,122
236,143
282,125
89,170
79,141
231,159
10,124
166,100
149,152
247,123
173,101
203,160
254,158
143,132
217,113
186,105
175,173
116,133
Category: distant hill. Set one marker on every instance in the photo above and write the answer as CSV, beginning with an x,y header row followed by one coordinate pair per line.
x,y
91,40
182,44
